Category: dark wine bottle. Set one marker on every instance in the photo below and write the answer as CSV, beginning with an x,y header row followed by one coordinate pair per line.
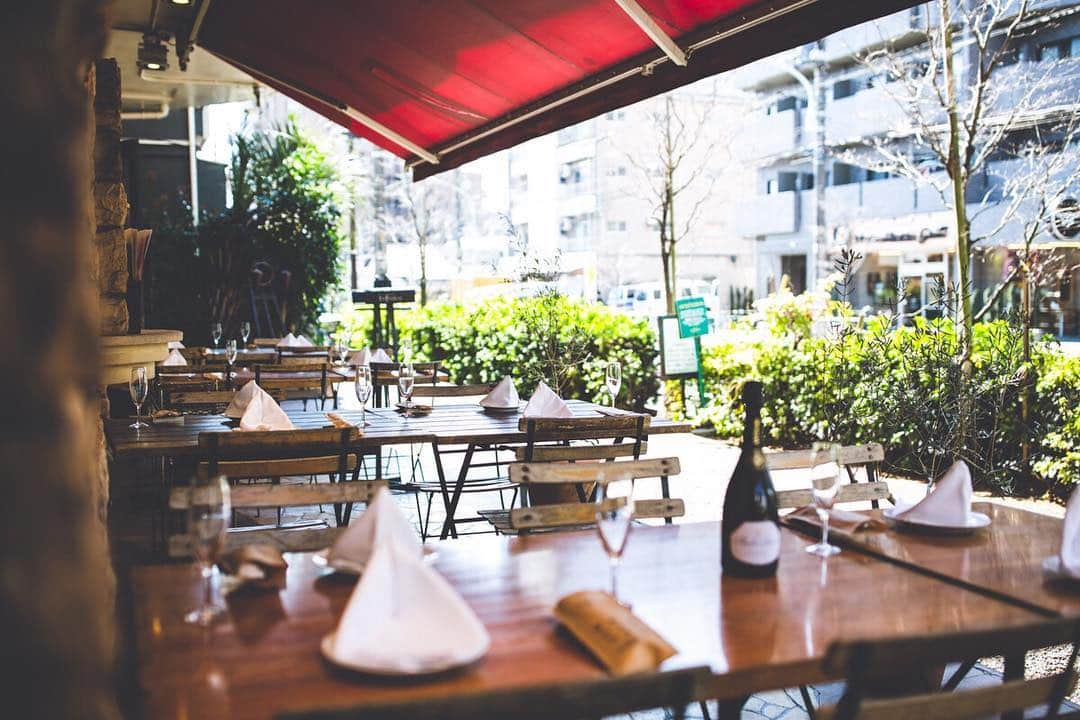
x,y
750,530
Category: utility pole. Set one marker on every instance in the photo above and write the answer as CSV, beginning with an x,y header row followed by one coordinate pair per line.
x,y
354,281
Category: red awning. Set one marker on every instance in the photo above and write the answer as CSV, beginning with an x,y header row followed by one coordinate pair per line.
x,y
442,82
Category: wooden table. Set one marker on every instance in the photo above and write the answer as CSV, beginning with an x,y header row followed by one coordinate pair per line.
x,y
754,634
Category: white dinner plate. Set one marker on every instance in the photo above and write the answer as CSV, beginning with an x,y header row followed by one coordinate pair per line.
x,y
1054,570
428,664
350,568
495,410
975,521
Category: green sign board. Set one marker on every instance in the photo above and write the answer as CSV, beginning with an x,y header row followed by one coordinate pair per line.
x,y
693,317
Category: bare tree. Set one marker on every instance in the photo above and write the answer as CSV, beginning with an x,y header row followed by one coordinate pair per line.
x,y
429,221
676,177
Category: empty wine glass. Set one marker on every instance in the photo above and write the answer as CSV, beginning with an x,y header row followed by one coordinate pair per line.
x,y
614,513
613,378
208,521
139,387
245,332
406,378
230,352
824,484
363,390
215,333
341,349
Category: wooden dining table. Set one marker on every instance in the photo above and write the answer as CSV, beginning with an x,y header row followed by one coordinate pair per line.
x,y
264,658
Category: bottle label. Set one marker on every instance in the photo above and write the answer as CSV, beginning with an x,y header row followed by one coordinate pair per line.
x,y
756,543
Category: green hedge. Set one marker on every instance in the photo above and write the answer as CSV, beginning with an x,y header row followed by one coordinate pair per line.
x,y
482,342
901,387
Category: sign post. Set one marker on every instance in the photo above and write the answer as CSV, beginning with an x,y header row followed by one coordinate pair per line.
x,y
693,316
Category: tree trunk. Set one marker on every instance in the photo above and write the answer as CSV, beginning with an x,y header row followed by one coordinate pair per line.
x,y
56,597
670,277
423,274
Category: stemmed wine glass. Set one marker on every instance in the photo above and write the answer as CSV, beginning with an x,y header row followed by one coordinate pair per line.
x,y
613,378
825,483
614,513
341,349
363,390
406,379
139,387
215,333
245,332
230,360
208,521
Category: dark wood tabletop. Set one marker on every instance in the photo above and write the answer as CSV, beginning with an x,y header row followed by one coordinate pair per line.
x,y
1004,559
755,634
447,424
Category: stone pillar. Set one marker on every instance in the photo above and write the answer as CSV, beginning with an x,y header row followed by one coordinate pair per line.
x,y
110,201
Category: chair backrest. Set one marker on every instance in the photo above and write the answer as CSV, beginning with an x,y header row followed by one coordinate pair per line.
x,y
205,401
582,473
306,359
451,391
868,666
284,376
852,457
266,343
193,355
616,426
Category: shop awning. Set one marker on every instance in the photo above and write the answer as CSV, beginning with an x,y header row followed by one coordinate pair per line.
x,y
442,82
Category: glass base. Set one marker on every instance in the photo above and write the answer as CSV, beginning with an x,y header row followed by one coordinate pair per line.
x,y
205,615
138,425
822,549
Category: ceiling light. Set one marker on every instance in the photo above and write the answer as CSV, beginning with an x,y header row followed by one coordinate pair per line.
x,y
153,54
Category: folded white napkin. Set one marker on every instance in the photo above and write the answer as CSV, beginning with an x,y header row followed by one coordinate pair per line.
x,y
382,523
380,356
176,345
174,358
405,617
257,410
502,395
291,340
544,403
950,501
1070,538
358,358
241,400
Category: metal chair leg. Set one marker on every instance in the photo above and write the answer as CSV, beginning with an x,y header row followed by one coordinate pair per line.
x,y
808,702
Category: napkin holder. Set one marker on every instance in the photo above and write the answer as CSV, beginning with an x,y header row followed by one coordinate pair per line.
x,y
615,636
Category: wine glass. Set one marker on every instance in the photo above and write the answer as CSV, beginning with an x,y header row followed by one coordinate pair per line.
x,y
139,387
230,352
824,484
215,333
341,349
406,379
245,332
613,378
208,521
614,513
363,389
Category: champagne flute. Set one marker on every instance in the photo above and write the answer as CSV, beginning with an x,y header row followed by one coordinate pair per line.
x,y
406,378
230,352
208,521
613,378
363,390
614,513
824,483
215,333
139,387
245,332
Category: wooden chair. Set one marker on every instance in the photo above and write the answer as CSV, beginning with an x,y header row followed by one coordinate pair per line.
x,y
309,352
277,454
451,391
312,386
852,458
384,377
206,402
873,666
574,515
594,697
270,343
194,355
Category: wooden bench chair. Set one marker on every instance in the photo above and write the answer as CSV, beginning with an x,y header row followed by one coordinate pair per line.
x,y
274,455
206,402
872,667
282,377
852,458
576,515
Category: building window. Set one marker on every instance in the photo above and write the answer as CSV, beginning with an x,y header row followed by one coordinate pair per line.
x,y
872,175
616,171
574,173
1060,49
844,174
794,267
844,88
788,102
616,226
616,115
520,182
806,181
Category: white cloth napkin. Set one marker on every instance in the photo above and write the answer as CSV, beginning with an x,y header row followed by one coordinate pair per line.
x,y
257,410
176,345
1070,538
359,358
403,616
241,400
291,340
544,403
382,523
503,395
174,358
380,356
950,501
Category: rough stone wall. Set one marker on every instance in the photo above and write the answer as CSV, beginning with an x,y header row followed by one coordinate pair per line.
x,y
110,200
56,586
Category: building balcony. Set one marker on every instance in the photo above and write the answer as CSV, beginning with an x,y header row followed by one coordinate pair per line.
x,y
773,214
867,113
772,135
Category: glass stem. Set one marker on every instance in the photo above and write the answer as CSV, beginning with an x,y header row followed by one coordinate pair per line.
x,y
208,578
614,562
825,530
363,415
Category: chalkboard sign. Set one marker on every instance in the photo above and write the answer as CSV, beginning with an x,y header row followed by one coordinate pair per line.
x,y
678,355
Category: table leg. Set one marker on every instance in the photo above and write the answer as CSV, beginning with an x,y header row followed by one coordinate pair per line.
x,y
1014,670
730,708
448,524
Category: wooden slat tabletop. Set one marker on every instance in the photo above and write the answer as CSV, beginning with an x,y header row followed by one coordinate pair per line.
x,y
1004,559
755,634
447,424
